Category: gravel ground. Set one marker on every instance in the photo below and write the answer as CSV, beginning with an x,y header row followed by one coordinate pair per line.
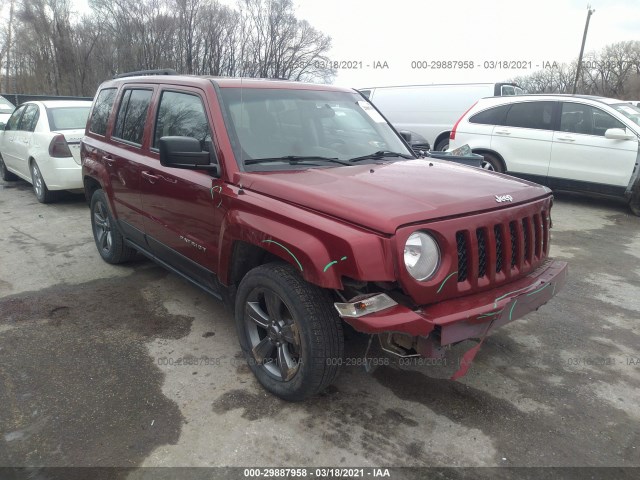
x,y
131,366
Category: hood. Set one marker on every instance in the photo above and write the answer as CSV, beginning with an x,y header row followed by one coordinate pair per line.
x,y
384,197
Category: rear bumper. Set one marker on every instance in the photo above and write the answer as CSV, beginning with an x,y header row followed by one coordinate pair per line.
x,y
61,173
471,316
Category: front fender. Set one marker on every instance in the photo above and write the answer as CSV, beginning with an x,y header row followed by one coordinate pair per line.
x,y
323,249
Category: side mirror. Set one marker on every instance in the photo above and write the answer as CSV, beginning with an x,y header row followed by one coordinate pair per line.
x,y
2,124
618,134
406,134
185,152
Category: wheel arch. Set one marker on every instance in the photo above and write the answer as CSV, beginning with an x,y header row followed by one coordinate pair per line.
x,y
440,137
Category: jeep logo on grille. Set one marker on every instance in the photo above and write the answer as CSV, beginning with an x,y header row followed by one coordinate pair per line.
x,y
504,198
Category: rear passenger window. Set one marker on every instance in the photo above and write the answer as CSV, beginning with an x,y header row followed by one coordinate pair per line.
x,y
537,115
101,111
181,114
132,114
492,116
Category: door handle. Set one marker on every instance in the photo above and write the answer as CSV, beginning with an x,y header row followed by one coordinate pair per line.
x,y
566,139
109,159
151,178
503,132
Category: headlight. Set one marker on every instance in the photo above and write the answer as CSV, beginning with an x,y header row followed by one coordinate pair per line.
x,y
421,255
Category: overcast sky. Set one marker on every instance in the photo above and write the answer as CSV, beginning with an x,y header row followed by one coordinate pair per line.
x,y
400,32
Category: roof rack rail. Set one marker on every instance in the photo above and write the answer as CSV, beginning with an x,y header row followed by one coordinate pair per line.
x,y
161,71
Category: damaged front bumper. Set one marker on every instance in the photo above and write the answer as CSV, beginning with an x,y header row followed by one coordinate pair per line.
x,y
426,330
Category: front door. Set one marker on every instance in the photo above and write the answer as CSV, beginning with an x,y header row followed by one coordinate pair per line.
x,y
582,158
183,208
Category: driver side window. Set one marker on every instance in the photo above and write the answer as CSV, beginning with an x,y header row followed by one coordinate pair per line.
x,y
181,114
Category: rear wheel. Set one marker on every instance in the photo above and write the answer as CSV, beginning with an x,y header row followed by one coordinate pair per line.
x,y
491,163
442,145
288,332
43,194
6,175
109,240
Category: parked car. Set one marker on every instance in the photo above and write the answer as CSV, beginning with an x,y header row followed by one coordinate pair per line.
x,y
567,142
247,189
6,109
41,144
431,110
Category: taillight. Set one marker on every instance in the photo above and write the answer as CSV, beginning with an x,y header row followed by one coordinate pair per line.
x,y
58,147
452,135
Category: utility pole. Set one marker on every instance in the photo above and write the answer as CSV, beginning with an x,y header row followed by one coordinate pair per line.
x,y
584,39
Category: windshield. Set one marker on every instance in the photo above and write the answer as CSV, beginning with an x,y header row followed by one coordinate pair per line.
x,y
274,123
6,106
630,111
67,118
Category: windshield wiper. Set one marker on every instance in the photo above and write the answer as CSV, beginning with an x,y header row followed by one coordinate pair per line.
x,y
380,154
294,159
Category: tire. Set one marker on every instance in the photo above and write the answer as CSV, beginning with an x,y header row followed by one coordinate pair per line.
x,y
492,163
634,202
289,333
42,193
442,145
6,175
109,240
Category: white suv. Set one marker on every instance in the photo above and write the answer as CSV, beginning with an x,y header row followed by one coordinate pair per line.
x,y
568,142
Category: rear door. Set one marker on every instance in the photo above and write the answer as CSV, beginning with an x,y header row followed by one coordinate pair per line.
x,y
582,158
126,155
183,208
524,139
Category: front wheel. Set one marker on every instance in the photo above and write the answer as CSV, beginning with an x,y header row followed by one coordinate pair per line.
x,y
6,175
289,333
634,202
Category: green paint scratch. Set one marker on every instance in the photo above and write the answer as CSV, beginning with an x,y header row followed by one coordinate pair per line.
x,y
445,280
328,265
288,251
332,263
490,314
512,307
495,303
538,290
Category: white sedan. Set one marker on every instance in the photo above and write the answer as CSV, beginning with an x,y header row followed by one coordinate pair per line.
x,y
41,144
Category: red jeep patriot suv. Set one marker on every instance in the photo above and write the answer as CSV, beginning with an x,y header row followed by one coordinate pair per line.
x,y
301,207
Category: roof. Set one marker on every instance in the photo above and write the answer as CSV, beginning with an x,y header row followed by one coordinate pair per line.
x,y
226,82
556,96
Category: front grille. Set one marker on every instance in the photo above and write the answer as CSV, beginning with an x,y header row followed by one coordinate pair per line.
x,y
482,253
462,256
497,231
525,247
